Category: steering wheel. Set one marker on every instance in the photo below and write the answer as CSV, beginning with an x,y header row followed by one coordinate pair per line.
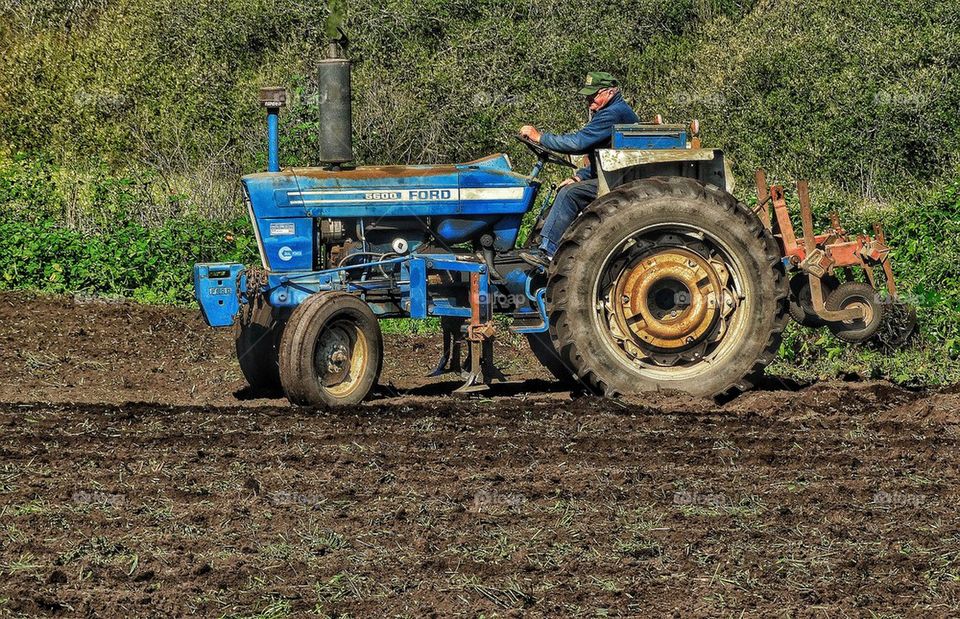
x,y
543,153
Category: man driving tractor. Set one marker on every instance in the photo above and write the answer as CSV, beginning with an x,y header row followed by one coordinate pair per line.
x,y
607,108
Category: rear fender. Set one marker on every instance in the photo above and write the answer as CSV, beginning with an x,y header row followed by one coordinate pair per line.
x,y
619,166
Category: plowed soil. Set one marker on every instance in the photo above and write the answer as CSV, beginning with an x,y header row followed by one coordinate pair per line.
x,y
138,477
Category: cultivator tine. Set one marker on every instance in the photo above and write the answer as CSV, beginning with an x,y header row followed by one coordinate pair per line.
x,y
474,378
878,232
452,347
885,263
888,274
835,224
871,277
482,371
763,198
490,371
782,213
480,336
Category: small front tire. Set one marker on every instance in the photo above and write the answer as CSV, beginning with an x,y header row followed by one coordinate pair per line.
x,y
331,352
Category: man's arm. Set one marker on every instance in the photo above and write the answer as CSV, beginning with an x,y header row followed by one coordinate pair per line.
x,y
576,143
593,134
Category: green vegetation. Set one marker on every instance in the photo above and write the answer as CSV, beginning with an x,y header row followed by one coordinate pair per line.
x,y
125,124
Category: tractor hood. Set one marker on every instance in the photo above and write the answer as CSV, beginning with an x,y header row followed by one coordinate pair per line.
x,y
284,205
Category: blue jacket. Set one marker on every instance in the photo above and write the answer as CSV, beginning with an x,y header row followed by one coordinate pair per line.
x,y
595,134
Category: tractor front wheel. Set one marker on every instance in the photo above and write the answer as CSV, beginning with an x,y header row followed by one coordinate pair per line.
x,y
666,283
331,351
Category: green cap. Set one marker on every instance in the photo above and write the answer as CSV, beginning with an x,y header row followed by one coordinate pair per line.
x,y
595,81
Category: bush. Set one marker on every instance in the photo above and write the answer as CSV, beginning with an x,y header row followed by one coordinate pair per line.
x,y
855,95
125,124
152,265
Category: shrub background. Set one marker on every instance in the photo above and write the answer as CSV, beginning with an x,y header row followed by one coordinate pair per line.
x,y
125,124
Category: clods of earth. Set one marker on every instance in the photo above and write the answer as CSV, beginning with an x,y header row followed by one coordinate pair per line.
x,y
138,477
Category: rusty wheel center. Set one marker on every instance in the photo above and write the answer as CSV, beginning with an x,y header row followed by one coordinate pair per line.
x,y
670,299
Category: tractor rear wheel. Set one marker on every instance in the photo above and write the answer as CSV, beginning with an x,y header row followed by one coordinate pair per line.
x,y
331,351
256,334
665,283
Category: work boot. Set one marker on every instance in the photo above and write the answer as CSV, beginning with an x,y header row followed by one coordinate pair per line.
x,y
536,258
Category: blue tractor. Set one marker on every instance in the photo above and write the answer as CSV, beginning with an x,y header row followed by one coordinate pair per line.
x,y
665,282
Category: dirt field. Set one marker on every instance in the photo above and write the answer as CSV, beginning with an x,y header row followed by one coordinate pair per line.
x,y
138,477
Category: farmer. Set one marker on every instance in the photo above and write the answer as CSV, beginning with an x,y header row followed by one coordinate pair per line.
x,y
607,108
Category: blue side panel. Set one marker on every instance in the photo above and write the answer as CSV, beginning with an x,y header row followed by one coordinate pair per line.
x,y
454,230
215,287
493,162
287,242
439,190
648,137
506,231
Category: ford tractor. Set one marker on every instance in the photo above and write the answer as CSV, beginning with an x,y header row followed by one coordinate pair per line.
x,y
666,281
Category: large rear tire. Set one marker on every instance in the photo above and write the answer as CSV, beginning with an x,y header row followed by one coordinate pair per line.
x,y
665,283
331,352
257,339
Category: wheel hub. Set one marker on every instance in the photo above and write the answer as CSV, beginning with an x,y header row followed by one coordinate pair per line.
x,y
333,356
671,299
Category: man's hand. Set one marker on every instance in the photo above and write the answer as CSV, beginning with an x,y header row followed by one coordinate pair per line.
x,y
568,181
529,131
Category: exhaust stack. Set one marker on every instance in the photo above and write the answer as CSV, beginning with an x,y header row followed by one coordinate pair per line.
x,y
336,122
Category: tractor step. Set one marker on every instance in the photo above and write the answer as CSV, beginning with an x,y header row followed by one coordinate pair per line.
x,y
530,321
527,322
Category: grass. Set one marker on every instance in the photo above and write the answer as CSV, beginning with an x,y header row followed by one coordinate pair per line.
x,y
26,562
342,586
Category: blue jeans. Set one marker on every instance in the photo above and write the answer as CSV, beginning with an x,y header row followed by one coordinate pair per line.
x,y
570,200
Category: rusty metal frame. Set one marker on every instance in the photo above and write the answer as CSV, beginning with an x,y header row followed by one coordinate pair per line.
x,y
819,255
816,286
